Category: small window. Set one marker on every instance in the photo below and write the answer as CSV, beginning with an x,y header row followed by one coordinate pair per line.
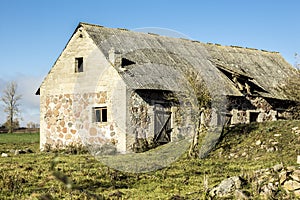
x,y
100,114
78,64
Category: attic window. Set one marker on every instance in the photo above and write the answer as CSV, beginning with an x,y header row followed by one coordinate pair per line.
x,y
125,62
100,114
79,64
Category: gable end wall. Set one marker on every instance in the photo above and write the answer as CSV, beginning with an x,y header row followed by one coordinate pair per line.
x,y
67,99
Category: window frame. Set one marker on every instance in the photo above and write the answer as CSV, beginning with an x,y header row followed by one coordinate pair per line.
x,y
102,112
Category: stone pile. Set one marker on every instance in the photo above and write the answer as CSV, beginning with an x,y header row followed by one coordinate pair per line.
x,y
16,152
296,130
227,187
4,155
275,182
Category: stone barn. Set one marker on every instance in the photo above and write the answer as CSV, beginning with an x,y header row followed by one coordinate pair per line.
x,y
112,87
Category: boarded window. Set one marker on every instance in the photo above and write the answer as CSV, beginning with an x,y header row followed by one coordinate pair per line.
x,y
100,114
78,64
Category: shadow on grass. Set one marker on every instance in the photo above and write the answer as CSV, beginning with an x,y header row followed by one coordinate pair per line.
x,y
240,129
148,161
236,132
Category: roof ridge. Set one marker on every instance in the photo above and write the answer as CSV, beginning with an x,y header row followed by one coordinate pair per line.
x,y
241,47
184,39
89,24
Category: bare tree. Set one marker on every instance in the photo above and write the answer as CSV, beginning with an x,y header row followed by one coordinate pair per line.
x,y
199,88
11,100
197,99
207,111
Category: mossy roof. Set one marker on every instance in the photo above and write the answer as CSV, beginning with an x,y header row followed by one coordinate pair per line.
x,y
159,62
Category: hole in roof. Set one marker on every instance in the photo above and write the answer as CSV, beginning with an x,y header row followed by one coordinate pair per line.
x,y
126,62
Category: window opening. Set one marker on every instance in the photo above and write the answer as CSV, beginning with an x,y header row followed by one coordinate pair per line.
x,y
100,114
78,64
253,116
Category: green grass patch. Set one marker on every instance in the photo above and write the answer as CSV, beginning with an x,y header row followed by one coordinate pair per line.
x,y
42,175
14,141
17,138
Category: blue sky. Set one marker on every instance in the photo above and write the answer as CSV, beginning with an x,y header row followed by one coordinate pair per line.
x,y
34,32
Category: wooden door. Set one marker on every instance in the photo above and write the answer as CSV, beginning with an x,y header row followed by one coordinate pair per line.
x,y
162,124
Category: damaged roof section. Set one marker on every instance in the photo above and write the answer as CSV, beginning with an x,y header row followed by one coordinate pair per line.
x,y
266,69
157,62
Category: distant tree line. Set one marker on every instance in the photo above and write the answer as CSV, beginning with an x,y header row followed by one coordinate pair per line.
x,y
33,125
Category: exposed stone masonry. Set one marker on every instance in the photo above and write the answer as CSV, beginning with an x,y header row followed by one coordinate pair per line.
x,y
140,122
68,119
248,109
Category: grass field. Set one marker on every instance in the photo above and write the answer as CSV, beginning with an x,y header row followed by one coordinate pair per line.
x,y
8,138
15,141
42,175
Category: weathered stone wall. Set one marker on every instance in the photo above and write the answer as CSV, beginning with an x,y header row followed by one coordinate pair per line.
x,y
68,120
67,97
140,133
141,119
249,109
